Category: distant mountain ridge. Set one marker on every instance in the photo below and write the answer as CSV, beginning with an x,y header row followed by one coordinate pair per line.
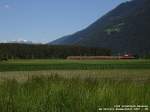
x,y
20,42
124,29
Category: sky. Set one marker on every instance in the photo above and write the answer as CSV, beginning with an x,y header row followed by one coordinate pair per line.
x,y
46,20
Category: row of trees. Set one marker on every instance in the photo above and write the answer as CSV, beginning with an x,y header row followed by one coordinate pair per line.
x,y
24,51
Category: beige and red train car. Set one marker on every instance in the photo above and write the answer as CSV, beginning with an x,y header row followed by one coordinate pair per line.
x,y
100,57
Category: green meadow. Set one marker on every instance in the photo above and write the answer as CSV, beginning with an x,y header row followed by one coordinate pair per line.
x,y
73,86
34,65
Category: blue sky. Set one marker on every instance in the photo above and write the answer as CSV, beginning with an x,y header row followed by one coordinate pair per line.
x,y
47,20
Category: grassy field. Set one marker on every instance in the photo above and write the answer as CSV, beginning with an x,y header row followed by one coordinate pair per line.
x,y
73,86
30,65
121,74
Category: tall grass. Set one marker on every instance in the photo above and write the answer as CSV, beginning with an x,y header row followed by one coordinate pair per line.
x,y
57,94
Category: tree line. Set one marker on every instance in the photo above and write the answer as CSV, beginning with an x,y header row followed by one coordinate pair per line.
x,y
32,51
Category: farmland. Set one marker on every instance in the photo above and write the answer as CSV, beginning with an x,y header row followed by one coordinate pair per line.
x,y
34,65
73,86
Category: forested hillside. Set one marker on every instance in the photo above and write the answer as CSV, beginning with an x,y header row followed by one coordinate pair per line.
x,y
125,29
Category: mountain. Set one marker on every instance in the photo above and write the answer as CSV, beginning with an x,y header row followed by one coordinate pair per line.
x,y
20,42
124,29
